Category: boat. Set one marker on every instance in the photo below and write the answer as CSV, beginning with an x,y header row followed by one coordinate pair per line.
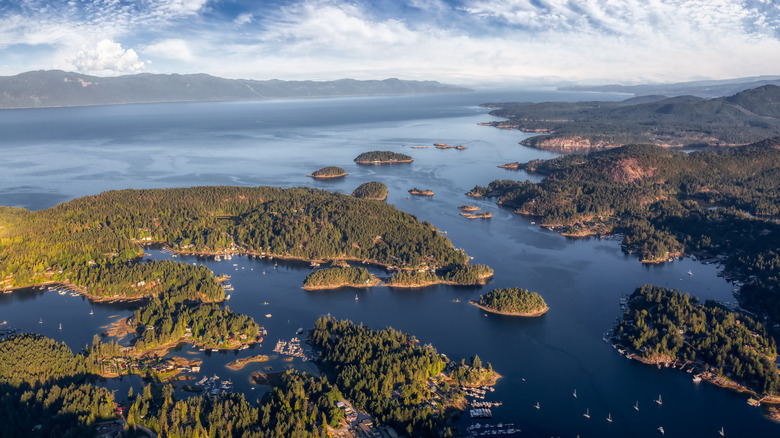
x,y
62,292
696,378
575,393
721,432
299,331
60,326
267,315
41,321
91,312
215,350
537,405
265,303
609,417
661,429
356,297
659,401
587,413
263,272
690,273
636,405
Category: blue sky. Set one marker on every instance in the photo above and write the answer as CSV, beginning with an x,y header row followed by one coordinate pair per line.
x,y
455,41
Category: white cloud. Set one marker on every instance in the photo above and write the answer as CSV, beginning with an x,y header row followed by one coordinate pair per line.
x,y
243,19
171,49
107,57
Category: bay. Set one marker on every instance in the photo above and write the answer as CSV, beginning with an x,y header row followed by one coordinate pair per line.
x,y
54,155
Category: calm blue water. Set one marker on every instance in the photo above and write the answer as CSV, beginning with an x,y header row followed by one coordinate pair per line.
x,y
54,155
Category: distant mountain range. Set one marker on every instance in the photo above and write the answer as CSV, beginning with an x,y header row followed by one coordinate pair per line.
x,y
53,88
709,89
684,121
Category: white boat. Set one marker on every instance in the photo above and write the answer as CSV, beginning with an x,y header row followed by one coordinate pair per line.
x,y
661,429
267,315
91,312
690,273
659,401
587,413
636,405
60,326
609,417
41,321
575,393
537,405
356,297
696,379
721,432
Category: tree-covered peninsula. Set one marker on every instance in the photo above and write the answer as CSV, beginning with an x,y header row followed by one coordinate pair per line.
x,y
728,348
382,157
462,275
329,172
716,205
371,190
512,301
89,240
334,278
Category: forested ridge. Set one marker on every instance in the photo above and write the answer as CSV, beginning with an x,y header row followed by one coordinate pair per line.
x,y
743,118
91,238
338,276
666,324
716,205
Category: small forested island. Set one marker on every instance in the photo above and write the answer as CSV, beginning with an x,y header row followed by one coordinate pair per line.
x,y
575,127
334,278
418,192
382,157
442,146
512,301
462,275
717,205
483,215
371,190
469,208
95,243
329,172
730,349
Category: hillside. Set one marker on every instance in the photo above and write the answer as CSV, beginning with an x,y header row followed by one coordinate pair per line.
x,y
707,89
53,88
684,121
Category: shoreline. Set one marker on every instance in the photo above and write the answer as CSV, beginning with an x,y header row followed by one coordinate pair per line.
x,y
327,176
374,282
498,312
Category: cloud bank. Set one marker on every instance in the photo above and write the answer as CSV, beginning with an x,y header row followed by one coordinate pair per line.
x,y
462,41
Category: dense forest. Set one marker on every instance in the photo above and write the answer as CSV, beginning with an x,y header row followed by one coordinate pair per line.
x,y
666,324
379,157
329,172
89,240
385,373
371,190
463,275
42,390
513,300
714,204
337,277
743,118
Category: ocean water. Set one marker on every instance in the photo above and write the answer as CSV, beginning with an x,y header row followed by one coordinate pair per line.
x,y
54,155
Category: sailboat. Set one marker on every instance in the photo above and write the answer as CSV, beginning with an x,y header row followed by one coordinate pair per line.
x,y
636,405
91,312
41,321
609,417
356,297
661,429
537,405
60,326
575,393
587,413
721,432
659,400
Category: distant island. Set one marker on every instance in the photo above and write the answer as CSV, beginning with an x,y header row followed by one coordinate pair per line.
x,y
665,327
685,121
382,157
56,88
469,208
483,215
371,190
329,172
419,192
512,301
334,278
